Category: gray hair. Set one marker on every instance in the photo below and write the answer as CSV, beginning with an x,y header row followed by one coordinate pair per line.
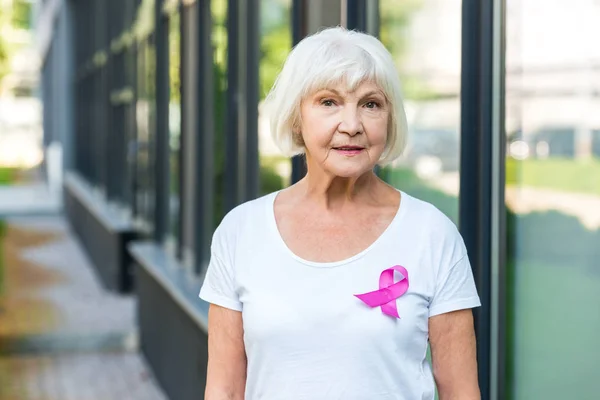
x,y
325,59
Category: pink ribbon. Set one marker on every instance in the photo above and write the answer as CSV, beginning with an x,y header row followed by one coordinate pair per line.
x,y
388,291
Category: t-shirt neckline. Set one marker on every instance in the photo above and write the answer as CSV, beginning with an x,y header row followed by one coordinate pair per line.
x,y
404,200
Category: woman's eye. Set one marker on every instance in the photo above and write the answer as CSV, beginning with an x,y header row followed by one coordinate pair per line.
x,y
371,104
327,103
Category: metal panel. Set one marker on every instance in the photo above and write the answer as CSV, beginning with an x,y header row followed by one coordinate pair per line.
x,y
205,139
104,242
299,31
361,15
172,342
182,136
65,35
482,164
498,377
252,45
190,132
161,216
242,102
234,184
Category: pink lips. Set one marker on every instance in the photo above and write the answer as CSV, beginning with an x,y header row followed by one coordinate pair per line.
x,y
349,150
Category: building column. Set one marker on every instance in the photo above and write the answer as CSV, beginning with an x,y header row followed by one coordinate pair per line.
x,y
482,179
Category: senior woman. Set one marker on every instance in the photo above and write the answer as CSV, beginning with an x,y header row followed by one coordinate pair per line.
x,y
334,287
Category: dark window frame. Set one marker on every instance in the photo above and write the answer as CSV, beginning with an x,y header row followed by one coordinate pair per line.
x,y
205,139
482,212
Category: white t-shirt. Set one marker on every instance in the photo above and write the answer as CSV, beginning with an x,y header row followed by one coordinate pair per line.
x,y
307,337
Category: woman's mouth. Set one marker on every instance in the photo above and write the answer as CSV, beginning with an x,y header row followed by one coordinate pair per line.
x,y
349,150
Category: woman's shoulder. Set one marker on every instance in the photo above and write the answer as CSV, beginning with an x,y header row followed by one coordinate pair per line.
x,y
428,215
250,211
436,231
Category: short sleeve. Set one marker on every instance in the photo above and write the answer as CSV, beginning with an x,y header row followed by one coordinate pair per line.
x,y
219,283
455,290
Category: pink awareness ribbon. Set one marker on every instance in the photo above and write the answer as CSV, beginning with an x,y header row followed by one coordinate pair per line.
x,y
388,291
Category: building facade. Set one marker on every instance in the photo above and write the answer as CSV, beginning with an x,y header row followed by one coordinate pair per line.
x,y
157,105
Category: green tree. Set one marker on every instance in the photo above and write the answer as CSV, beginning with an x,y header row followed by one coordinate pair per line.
x,y
3,47
17,16
21,14
395,20
276,41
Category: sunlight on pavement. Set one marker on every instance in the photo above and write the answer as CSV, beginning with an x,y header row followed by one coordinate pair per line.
x,y
20,151
58,325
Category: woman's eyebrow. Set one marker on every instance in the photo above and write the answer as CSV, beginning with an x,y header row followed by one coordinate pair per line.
x,y
373,93
323,91
337,93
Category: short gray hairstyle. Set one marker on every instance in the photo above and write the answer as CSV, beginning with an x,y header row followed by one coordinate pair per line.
x,y
323,60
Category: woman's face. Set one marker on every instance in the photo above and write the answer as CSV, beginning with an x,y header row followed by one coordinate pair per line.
x,y
345,132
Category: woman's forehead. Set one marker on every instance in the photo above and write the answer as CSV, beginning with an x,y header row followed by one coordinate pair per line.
x,y
343,88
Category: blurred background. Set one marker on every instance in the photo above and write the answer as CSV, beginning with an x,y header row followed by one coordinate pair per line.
x,y
128,128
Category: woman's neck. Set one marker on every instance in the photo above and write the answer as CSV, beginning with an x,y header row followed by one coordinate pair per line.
x,y
335,192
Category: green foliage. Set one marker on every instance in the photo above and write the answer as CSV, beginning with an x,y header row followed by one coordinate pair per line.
x,y
7,175
175,58
569,175
270,180
276,41
409,182
274,49
22,14
17,15
3,47
395,20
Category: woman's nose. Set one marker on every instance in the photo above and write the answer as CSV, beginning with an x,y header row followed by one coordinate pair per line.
x,y
351,123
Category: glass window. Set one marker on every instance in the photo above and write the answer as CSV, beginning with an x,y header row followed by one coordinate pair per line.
x,y
219,41
174,31
130,74
275,45
424,37
116,167
99,148
145,117
190,74
553,199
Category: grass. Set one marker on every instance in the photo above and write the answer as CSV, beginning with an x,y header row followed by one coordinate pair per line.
x,y
568,175
7,175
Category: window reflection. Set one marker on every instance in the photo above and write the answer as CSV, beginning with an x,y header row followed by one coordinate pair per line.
x,y
174,118
553,199
130,127
145,116
275,44
428,60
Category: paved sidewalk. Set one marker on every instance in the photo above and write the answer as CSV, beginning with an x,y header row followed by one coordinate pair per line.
x,y
51,288
28,199
57,323
119,376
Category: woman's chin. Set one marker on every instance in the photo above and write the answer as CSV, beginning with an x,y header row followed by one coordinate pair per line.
x,y
349,171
